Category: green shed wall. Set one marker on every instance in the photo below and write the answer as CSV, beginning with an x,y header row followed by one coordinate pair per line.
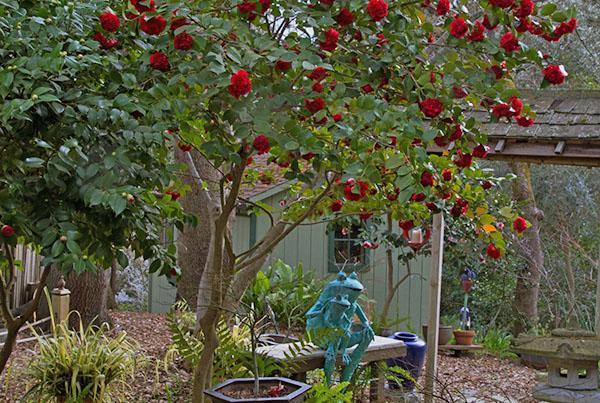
x,y
308,244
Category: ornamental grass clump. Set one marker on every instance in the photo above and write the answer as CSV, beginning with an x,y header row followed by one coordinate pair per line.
x,y
82,365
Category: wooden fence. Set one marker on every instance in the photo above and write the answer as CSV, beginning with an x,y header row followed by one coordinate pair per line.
x,y
27,276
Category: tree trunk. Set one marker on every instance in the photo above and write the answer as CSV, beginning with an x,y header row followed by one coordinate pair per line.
x,y
89,297
111,301
193,242
529,249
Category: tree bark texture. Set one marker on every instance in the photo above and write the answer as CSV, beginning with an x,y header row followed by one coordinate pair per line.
x,y
193,242
529,248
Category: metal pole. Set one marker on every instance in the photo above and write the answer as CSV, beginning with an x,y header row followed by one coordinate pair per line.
x,y
435,289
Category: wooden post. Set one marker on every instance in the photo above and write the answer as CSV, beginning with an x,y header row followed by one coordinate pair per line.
x,y
435,288
597,324
60,301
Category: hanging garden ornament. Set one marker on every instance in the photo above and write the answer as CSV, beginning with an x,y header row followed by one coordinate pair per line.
x,y
466,279
417,238
465,318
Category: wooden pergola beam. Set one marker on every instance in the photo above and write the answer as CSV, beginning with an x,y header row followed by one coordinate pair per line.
x,y
555,152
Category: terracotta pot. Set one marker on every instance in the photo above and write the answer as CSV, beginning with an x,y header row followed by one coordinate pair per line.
x,y
444,334
295,390
467,285
464,337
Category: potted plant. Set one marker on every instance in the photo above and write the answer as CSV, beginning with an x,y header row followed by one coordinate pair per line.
x,y
257,388
444,330
464,336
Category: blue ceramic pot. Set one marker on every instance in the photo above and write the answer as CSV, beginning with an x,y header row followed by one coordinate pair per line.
x,y
413,361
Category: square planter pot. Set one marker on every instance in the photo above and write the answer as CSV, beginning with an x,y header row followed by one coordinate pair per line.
x,y
294,390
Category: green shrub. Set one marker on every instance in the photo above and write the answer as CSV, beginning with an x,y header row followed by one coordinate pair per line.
x,y
288,292
497,342
76,365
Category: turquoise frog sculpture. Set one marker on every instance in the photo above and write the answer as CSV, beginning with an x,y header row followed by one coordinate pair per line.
x,y
331,316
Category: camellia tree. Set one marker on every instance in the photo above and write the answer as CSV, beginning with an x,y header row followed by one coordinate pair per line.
x,y
343,96
83,173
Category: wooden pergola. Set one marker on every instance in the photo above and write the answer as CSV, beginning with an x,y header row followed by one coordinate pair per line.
x,y
566,132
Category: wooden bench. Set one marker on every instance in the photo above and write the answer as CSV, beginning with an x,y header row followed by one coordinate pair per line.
x,y
459,350
312,357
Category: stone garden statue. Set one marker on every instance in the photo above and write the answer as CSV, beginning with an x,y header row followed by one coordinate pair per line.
x,y
329,321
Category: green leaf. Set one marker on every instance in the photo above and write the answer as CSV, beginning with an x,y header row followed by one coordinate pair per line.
x,y
117,203
548,9
73,247
57,248
34,162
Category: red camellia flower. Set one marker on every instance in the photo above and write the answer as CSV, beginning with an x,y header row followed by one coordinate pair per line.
x,y
239,84
520,224
364,215
487,185
247,9
318,74
443,7
516,105
509,42
367,88
524,121
7,231
458,27
159,61
337,117
565,28
105,43
456,134
152,26
447,174
493,252
431,107
336,205
109,21
478,33
355,190
460,207
418,197
555,74
183,41
178,22
309,155
377,9
317,87
525,9
261,144
406,225
426,179
142,8
326,2
282,65
459,92
331,40
502,3
463,160
345,17
481,151
174,195
315,105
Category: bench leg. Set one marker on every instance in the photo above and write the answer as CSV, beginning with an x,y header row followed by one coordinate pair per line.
x,y
377,386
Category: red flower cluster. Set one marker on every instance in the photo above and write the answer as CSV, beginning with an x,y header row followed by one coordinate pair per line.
x,y
524,121
459,92
104,42
174,195
377,9
239,84
109,21
315,105
480,151
509,42
7,231
418,197
562,29
520,224
318,74
183,41
458,27
443,7
508,110
331,40
178,22
261,144
431,107
355,190
477,33
336,205
460,207
427,179
463,160
447,174
502,3
282,65
159,61
141,8
525,9
555,74
248,8
493,252
152,26
345,17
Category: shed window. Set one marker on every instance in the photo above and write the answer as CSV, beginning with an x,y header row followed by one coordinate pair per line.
x,y
345,250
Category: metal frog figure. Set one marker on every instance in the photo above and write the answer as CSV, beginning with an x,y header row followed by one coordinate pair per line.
x,y
333,311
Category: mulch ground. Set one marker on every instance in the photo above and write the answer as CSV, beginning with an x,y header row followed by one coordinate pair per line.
x,y
469,378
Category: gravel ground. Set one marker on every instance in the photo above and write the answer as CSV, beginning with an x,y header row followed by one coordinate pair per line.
x,y
479,377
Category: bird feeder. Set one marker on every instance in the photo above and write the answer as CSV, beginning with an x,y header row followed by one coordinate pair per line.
x,y
572,357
